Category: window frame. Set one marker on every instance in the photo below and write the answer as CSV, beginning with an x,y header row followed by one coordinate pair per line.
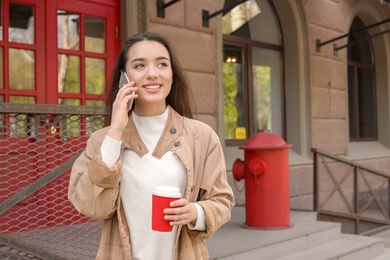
x,y
247,45
112,45
356,65
38,47
367,67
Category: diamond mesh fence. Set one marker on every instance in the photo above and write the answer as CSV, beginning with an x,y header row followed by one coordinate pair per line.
x,y
38,147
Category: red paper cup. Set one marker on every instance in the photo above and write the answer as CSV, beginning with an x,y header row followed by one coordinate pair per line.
x,y
161,197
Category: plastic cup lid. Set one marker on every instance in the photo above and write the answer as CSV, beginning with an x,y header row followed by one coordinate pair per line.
x,y
167,191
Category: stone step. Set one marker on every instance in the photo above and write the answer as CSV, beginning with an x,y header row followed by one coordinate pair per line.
x,y
348,247
307,239
385,256
234,242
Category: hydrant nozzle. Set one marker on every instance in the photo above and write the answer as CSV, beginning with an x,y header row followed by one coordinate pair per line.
x,y
238,170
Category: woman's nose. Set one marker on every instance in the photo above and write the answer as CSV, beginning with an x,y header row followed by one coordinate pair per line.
x,y
152,72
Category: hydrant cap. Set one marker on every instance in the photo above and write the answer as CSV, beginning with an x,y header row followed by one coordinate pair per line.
x,y
265,140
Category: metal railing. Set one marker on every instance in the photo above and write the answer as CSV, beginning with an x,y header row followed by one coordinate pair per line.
x,y
355,195
38,145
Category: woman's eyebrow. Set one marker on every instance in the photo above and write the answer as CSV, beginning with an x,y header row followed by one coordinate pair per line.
x,y
138,59
162,58
143,59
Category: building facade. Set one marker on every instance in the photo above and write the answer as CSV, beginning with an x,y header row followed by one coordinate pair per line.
x,y
315,72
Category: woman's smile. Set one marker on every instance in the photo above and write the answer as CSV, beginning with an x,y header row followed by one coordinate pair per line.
x,y
149,66
152,87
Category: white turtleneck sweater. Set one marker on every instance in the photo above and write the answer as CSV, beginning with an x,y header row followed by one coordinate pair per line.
x,y
139,176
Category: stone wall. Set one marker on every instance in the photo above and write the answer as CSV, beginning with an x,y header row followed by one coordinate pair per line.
x,y
326,20
196,48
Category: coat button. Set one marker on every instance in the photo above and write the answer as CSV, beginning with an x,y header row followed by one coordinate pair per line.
x,y
173,130
177,144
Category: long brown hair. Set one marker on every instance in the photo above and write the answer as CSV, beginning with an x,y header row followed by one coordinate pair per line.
x,y
181,97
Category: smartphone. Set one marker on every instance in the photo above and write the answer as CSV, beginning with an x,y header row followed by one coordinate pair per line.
x,y
123,80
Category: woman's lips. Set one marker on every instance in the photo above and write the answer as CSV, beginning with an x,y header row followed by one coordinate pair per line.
x,y
152,88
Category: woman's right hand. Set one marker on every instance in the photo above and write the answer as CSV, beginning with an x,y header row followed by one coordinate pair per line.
x,y
120,110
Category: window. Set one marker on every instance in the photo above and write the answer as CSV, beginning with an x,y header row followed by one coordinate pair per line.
x,y
21,52
252,72
82,58
233,96
361,86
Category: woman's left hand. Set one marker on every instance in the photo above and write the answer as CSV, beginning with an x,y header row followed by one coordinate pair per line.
x,y
181,213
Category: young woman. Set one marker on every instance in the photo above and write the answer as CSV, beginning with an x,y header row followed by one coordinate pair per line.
x,y
155,143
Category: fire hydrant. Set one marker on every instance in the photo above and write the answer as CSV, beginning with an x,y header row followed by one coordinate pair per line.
x,y
267,184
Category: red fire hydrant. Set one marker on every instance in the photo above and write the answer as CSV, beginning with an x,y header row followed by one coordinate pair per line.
x,y
267,183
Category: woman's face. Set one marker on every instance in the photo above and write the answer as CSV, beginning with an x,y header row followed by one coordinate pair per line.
x,y
149,66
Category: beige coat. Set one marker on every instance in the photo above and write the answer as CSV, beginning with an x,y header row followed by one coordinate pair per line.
x,y
94,188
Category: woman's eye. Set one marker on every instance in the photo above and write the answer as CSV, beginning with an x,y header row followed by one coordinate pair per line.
x,y
138,66
163,64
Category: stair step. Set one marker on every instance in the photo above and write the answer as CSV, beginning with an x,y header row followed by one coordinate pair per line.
x,y
234,242
385,256
349,247
307,239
